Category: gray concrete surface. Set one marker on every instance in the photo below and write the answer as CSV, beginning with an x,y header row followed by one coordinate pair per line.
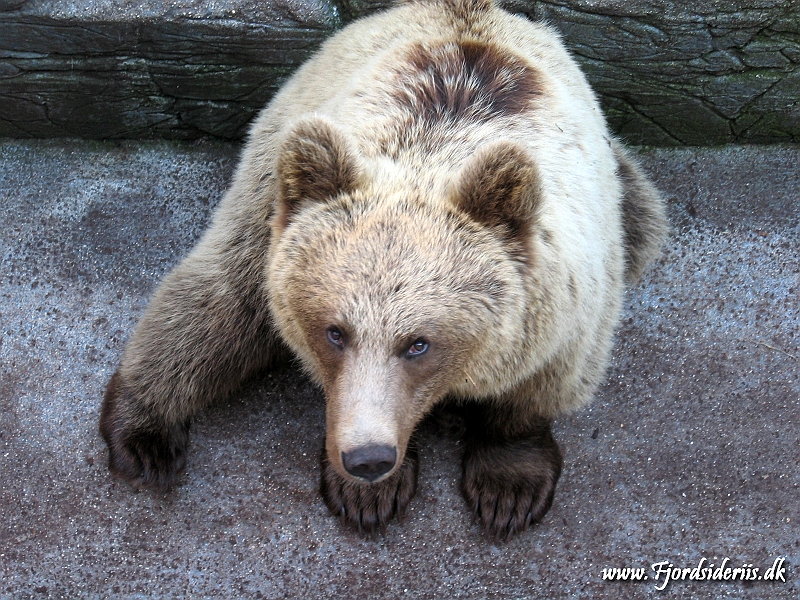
x,y
689,452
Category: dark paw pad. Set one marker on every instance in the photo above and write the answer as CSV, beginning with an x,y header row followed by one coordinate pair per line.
x,y
368,507
510,486
140,452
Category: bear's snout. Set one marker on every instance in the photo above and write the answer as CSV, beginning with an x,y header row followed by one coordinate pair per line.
x,y
370,462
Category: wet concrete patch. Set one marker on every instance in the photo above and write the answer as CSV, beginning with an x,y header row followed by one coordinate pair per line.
x,y
690,450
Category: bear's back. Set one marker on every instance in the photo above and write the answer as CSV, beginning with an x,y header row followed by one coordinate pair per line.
x,y
421,87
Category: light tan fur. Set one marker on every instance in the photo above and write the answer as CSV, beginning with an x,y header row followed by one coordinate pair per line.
x,y
485,217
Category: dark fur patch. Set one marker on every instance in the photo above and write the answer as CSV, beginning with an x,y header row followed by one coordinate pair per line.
x,y
149,458
508,478
463,81
572,285
643,215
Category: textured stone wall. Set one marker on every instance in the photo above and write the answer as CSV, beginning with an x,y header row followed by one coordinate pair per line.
x,y
688,72
103,70
667,72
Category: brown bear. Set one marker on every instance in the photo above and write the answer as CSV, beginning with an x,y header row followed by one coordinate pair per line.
x,y
431,209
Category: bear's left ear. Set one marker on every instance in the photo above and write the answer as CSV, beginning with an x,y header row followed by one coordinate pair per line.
x,y
315,164
500,187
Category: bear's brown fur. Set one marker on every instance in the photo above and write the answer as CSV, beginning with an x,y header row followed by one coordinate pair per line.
x,y
432,208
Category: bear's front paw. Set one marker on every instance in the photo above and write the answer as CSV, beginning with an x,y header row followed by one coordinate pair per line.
x,y
369,507
141,452
510,485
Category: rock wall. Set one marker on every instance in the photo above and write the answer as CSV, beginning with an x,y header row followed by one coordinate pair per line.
x,y
667,72
107,69
680,72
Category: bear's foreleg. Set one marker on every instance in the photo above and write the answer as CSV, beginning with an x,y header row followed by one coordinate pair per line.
x,y
206,329
510,468
368,507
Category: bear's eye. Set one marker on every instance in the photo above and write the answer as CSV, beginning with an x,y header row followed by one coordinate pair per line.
x,y
419,346
336,337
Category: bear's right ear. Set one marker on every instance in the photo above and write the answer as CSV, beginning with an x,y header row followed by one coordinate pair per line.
x,y
315,164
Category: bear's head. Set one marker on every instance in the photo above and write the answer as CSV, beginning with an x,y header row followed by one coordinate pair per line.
x,y
394,299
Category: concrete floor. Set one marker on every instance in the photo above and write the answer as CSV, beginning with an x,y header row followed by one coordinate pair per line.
x,y
691,450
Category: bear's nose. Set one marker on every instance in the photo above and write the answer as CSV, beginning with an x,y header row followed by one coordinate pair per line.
x,y
370,462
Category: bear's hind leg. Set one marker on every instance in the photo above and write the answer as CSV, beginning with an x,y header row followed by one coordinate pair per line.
x,y
644,215
368,507
509,470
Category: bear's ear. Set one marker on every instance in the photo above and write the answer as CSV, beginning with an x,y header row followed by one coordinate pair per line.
x,y
315,164
500,187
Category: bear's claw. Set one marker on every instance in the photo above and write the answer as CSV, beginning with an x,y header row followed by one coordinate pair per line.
x,y
368,507
510,486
